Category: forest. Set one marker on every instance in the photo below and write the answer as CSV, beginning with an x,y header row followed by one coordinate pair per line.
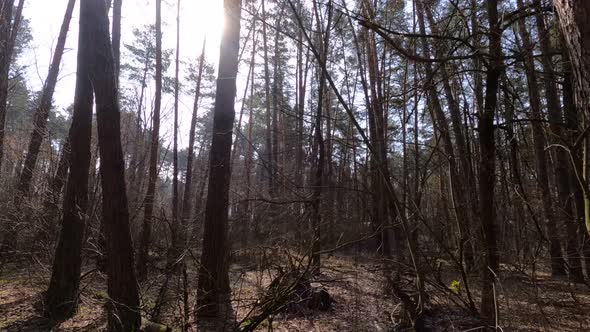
x,y
311,165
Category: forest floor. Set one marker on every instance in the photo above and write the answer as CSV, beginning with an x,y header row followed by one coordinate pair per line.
x,y
357,285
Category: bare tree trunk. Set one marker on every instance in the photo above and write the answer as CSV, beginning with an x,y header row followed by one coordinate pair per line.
x,y
42,111
477,76
487,170
539,143
319,147
575,27
564,195
328,205
466,180
116,44
276,93
377,129
575,127
116,35
49,230
457,187
123,310
137,162
267,102
61,298
213,289
8,33
174,262
150,196
188,180
177,243
302,72
517,194
245,206
248,165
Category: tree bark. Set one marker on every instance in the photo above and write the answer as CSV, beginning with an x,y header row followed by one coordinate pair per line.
x,y
276,99
177,229
49,230
150,195
302,70
61,298
267,103
243,208
487,171
562,167
174,262
188,179
574,127
137,162
575,27
213,284
319,147
539,144
376,115
116,35
42,111
123,310
8,32
457,186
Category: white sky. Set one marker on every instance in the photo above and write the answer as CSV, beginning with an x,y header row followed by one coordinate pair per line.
x,y
199,18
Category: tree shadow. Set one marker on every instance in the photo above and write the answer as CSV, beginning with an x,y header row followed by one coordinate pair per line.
x,y
33,323
225,321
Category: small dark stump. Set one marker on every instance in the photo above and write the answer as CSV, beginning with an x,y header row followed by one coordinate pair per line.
x,y
289,293
297,294
320,300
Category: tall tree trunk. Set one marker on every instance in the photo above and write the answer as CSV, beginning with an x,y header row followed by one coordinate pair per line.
x,y
575,27
116,35
123,308
478,63
328,205
176,228
562,167
116,42
577,183
377,129
136,164
8,33
276,93
150,195
457,187
248,161
213,289
244,211
514,169
302,72
267,102
42,110
49,230
319,147
539,143
466,181
174,263
188,179
61,298
487,171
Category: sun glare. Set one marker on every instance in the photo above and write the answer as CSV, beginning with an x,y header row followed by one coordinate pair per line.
x,y
206,16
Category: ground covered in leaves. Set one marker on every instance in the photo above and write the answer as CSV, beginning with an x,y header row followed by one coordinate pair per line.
x,y
357,284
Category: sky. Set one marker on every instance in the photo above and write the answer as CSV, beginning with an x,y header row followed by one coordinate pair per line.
x,y
199,19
